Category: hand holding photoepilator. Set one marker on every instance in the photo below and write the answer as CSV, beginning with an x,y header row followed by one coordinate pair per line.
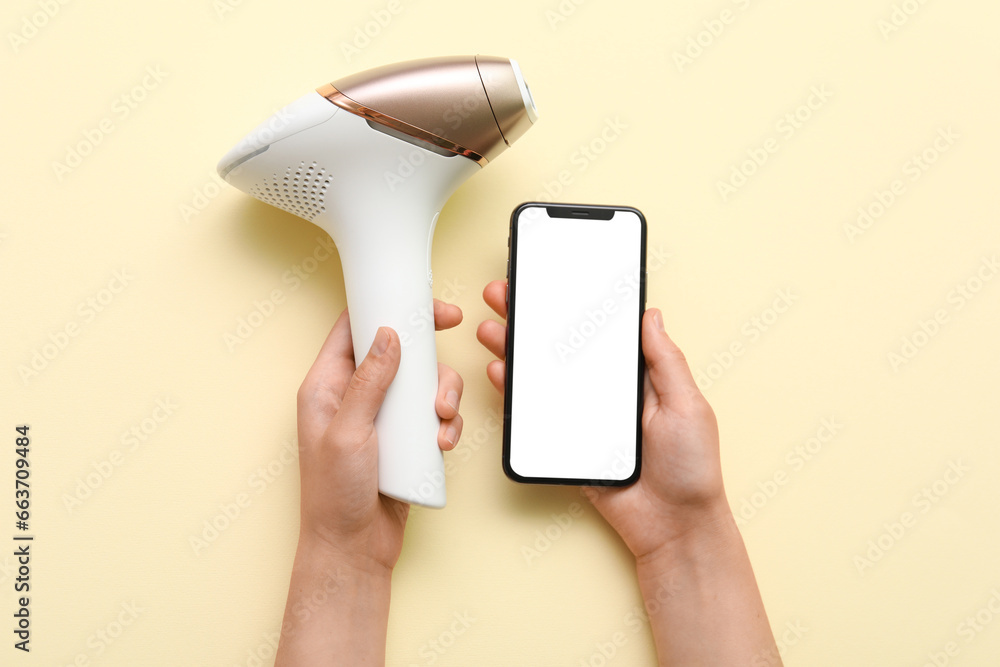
x,y
346,527
372,158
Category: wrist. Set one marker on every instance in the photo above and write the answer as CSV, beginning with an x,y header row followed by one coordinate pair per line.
x,y
337,607
699,584
316,552
698,533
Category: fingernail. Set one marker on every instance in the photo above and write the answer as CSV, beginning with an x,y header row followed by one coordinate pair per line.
x,y
450,435
658,320
381,342
451,398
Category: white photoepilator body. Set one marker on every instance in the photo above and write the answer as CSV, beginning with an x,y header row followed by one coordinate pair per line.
x,y
372,159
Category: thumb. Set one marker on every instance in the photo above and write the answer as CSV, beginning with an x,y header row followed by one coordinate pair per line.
x,y
668,368
370,381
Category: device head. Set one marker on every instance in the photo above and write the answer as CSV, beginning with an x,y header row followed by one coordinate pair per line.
x,y
475,106
470,107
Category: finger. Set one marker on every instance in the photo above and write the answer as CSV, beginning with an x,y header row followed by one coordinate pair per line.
x,y
495,296
449,433
649,397
446,315
493,336
669,373
335,360
450,386
496,372
368,385
326,381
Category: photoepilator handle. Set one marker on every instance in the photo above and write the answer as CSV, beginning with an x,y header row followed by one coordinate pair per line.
x,y
388,279
372,159
387,284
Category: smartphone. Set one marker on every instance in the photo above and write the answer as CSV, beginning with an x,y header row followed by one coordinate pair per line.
x,y
576,293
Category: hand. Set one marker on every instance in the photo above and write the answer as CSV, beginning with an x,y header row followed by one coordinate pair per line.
x,y
350,536
680,486
342,510
697,583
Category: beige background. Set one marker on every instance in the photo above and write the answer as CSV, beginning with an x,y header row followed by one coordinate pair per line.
x,y
196,257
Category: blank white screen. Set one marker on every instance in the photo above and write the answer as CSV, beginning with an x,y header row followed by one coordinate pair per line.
x,y
575,349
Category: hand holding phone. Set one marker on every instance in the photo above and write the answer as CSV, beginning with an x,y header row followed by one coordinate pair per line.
x,y
693,569
681,483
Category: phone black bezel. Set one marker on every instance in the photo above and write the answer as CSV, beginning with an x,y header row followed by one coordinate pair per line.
x,y
579,211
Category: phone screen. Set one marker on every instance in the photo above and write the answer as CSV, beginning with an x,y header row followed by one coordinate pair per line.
x,y
576,295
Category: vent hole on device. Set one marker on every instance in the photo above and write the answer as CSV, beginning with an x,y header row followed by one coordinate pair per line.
x,y
299,190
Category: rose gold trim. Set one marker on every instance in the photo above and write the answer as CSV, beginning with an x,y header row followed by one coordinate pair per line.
x,y
344,102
